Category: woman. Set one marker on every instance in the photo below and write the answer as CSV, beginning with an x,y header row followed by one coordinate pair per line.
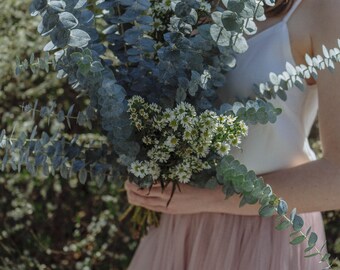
x,y
201,230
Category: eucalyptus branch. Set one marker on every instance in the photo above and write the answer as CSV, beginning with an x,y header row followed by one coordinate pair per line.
x,y
11,140
296,223
278,84
28,108
236,179
42,63
47,152
311,243
84,118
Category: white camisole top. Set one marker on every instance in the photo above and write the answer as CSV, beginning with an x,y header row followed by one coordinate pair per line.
x,y
283,144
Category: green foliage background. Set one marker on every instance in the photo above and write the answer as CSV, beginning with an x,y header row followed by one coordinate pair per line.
x,y
48,222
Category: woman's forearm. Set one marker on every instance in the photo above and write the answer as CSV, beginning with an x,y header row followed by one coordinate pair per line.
x,y
313,186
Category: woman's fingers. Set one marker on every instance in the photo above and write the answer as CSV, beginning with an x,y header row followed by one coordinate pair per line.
x,y
145,201
133,187
130,185
155,191
155,201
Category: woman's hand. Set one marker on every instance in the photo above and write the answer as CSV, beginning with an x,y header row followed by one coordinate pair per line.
x,y
189,200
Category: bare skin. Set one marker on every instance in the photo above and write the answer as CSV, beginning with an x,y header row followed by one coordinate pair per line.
x,y
308,185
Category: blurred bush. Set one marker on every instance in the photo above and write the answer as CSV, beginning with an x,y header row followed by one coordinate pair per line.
x,y
48,222
331,218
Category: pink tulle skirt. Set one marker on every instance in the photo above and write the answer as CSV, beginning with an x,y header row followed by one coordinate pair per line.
x,y
210,241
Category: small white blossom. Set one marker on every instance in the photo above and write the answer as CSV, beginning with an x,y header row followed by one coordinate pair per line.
x,y
202,150
231,120
187,122
158,123
206,165
160,154
137,169
220,128
184,178
187,135
173,124
244,128
183,173
139,125
171,141
223,149
147,140
154,108
168,115
158,25
154,170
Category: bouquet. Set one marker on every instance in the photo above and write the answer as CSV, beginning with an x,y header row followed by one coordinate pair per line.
x,y
179,142
151,77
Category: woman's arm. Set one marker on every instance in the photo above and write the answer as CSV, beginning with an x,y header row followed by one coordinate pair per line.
x,y
312,186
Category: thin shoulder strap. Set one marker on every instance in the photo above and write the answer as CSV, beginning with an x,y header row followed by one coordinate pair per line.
x,y
292,9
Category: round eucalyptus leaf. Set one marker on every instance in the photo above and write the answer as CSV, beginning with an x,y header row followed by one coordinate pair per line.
x,y
313,238
56,6
236,6
248,10
78,38
283,225
259,15
250,27
80,3
78,165
270,2
298,240
68,20
231,21
250,199
191,18
96,66
37,6
325,257
282,208
82,176
217,18
61,116
267,211
60,37
220,35
48,23
292,215
182,9
290,69
240,44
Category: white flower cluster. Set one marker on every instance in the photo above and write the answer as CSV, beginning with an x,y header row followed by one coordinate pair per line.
x,y
178,141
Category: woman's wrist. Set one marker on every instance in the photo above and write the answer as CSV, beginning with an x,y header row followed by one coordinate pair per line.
x,y
217,203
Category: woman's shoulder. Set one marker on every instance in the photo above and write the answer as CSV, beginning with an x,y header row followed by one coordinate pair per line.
x,y
324,22
321,7
314,23
319,18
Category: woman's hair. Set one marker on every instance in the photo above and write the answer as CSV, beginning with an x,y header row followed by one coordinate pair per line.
x,y
281,7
